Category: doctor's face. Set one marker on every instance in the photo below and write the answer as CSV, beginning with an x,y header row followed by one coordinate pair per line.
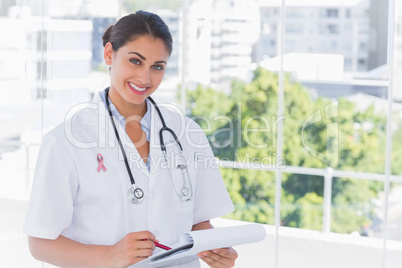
x,y
137,69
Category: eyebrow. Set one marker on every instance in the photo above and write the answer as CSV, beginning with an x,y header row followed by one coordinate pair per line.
x,y
143,58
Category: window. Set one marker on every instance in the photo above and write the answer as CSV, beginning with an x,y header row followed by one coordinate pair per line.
x,y
333,29
332,13
304,148
347,13
294,28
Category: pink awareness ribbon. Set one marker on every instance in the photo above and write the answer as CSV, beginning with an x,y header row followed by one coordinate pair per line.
x,y
101,165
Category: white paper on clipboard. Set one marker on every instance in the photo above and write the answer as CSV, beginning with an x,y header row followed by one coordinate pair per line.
x,y
194,242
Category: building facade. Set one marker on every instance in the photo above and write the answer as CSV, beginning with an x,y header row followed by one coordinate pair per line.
x,y
325,27
220,40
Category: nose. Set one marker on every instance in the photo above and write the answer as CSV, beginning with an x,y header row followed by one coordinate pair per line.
x,y
143,76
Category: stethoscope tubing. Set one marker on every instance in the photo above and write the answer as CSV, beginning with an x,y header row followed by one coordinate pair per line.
x,y
118,139
184,197
163,148
164,128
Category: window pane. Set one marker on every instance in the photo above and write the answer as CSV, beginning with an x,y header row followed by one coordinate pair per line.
x,y
253,193
50,60
396,159
233,110
333,118
392,203
335,122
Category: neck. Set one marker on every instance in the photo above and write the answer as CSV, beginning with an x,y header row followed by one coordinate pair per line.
x,y
125,108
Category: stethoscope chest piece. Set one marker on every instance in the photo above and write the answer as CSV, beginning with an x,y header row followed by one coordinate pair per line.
x,y
135,195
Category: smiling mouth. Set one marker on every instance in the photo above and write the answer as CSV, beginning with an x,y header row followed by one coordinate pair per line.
x,y
137,88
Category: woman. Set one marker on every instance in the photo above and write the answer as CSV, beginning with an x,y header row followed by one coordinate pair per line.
x,y
104,192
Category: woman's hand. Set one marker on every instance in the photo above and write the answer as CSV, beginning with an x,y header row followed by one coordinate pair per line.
x,y
64,252
216,258
134,247
219,258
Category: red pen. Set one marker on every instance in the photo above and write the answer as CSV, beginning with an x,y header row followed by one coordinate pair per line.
x,y
162,246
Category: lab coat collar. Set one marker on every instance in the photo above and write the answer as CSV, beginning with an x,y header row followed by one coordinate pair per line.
x,y
95,113
101,111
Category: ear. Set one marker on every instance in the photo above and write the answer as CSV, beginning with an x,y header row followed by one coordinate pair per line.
x,y
108,53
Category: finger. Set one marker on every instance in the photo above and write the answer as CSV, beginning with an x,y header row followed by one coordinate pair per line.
x,y
143,235
212,259
224,257
145,244
143,253
226,252
137,259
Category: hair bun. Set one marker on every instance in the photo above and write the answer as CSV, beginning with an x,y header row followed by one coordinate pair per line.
x,y
106,36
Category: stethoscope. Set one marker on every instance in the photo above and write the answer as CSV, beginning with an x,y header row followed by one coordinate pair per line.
x,y
136,194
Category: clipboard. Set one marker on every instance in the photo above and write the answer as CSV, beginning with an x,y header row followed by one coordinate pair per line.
x,y
191,243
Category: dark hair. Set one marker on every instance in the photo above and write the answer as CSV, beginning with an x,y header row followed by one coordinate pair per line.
x,y
137,24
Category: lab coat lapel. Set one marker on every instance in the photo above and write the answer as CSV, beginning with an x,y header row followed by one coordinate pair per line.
x,y
96,118
96,115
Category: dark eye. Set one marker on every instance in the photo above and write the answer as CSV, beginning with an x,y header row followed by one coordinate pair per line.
x,y
135,61
158,67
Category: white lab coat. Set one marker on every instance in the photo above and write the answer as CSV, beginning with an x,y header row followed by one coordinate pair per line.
x,y
71,198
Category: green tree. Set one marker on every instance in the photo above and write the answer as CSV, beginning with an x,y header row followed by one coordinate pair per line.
x,y
396,160
250,135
